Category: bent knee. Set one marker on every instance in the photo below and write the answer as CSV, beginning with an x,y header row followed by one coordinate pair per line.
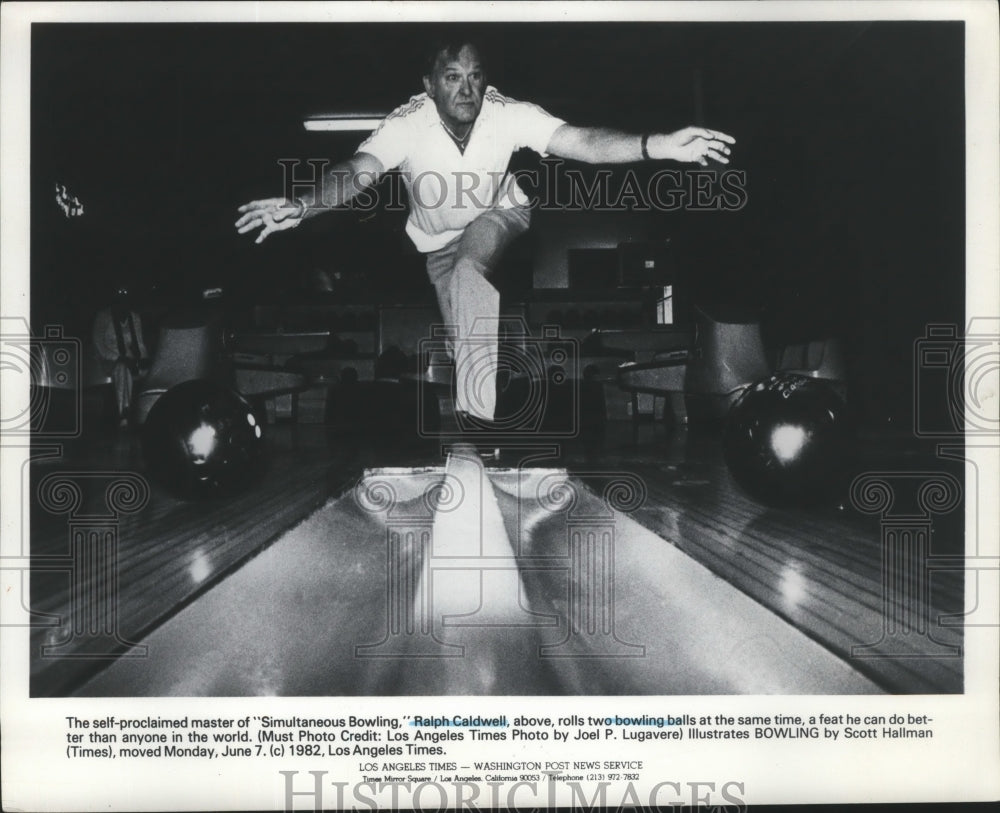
x,y
467,264
467,279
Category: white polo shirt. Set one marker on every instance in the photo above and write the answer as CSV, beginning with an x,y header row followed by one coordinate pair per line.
x,y
449,189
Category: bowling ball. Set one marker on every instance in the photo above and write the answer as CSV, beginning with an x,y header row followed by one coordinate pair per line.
x,y
203,440
785,441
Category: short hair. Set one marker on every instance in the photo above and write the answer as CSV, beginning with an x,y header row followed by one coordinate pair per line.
x,y
450,46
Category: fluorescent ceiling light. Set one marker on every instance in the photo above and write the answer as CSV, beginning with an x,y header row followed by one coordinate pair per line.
x,y
344,122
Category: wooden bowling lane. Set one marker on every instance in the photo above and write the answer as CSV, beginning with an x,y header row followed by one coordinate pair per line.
x,y
461,581
168,552
644,618
338,606
821,570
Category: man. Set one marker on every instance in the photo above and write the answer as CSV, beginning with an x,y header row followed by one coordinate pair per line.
x,y
452,145
121,351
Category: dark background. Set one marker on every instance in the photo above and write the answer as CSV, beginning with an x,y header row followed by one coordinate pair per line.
x,y
851,134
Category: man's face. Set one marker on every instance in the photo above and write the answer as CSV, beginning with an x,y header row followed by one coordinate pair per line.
x,y
457,86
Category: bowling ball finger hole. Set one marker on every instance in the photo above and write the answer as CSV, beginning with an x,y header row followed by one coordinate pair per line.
x,y
197,441
785,441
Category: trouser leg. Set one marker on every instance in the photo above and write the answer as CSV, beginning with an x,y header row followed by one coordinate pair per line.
x,y
460,273
121,377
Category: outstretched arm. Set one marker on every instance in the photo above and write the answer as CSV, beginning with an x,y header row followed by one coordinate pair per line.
x,y
598,145
340,184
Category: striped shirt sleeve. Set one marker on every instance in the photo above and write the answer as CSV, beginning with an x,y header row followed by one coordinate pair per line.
x,y
529,125
390,141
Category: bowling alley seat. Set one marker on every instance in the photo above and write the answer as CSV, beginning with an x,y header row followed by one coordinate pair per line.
x,y
702,369
187,348
726,354
820,358
191,346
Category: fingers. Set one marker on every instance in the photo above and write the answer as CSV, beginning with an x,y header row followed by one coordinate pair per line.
x,y
712,135
249,220
710,148
268,222
256,219
716,150
249,223
257,205
254,208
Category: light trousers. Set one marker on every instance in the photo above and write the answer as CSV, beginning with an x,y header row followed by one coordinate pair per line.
x,y
470,304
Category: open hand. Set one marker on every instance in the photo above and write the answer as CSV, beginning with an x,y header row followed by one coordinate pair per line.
x,y
695,145
270,215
